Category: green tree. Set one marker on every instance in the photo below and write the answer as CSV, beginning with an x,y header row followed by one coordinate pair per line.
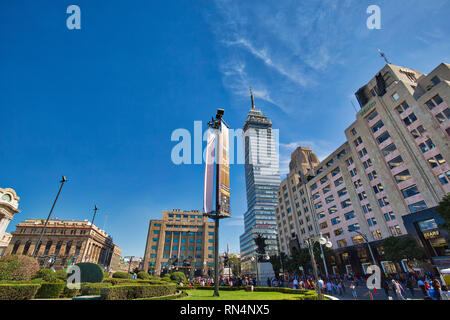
x,y
398,248
443,209
235,264
18,267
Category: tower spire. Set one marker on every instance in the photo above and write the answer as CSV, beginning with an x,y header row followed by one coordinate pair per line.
x,y
383,56
251,96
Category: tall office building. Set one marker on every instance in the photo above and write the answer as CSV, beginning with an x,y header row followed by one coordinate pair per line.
x,y
385,179
262,178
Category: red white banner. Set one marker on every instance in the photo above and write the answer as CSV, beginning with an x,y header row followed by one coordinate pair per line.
x,y
208,188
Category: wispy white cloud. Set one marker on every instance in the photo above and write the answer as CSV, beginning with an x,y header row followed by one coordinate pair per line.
x,y
279,48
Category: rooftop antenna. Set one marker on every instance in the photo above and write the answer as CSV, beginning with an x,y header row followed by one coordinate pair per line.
x,y
383,56
251,96
353,105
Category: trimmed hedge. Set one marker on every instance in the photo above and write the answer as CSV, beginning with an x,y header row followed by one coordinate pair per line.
x,y
180,294
130,291
178,277
143,275
50,290
94,289
131,281
48,275
120,275
70,293
18,291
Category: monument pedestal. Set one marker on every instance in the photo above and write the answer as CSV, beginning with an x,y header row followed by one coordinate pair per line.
x,y
265,271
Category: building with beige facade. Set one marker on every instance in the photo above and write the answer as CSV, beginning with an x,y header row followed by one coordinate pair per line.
x,y
9,204
181,240
393,168
64,241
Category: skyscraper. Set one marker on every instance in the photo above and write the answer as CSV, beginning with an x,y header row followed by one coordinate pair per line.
x,y
262,178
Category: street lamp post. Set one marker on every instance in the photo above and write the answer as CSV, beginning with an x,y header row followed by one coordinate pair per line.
x,y
368,244
310,242
36,249
83,257
216,124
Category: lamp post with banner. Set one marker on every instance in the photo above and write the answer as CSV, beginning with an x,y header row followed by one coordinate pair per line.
x,y
222,188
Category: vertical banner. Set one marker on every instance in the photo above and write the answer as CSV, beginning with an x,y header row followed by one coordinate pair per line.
x,y
224,172
208,188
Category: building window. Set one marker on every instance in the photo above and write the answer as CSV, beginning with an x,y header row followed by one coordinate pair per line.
x,y
342,192
389,216
346,203
383,137
342,243
335,221
357,239
404,106
395,96
323,225
442,178
358,141
353,227
435,101
410,119
410,191
397,161
349,215
389,149
402,176
338,232
338,182
377,126
332,210
372,116
435,80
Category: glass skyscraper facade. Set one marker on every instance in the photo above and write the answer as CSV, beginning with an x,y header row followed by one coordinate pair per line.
x,y
262,178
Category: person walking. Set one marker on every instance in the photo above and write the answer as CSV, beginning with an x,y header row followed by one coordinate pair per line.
x,y
410,284
435,291
353,288
421,285
398,289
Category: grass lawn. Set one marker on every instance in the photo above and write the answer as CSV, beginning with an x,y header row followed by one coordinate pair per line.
x,y
239,295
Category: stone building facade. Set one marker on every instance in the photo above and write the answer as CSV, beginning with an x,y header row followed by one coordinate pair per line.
x,y
64,241
9,204
182,240
395,163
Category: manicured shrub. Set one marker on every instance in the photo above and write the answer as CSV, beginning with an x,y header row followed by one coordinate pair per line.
x,y
50,290
120,275
105,275
143,275
94,289
18,291
70,293
178,277
61,274
48,275
18,267
137,281
90,272
179,295
130,291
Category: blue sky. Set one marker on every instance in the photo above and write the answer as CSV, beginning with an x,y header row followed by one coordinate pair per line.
x,y
99,104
